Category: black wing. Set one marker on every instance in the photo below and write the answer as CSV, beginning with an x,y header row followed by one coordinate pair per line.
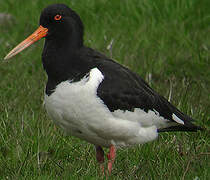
x,y
125,90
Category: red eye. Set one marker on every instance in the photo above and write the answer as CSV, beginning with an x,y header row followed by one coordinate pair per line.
x,y
57,17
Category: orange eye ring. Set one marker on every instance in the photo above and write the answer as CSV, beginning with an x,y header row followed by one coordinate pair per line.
x,y
57,17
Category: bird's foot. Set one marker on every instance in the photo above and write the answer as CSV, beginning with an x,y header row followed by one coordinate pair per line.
x,y
100,158
111,157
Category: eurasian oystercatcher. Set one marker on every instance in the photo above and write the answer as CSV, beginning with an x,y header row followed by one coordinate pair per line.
x,y
92,97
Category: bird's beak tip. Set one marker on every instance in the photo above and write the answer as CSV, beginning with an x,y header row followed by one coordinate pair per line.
x,y
38,34
6,58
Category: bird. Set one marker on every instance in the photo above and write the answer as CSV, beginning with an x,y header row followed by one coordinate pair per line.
x,y
94,98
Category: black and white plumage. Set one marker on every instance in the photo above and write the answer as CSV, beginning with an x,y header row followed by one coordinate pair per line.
x,y
122,95
94,98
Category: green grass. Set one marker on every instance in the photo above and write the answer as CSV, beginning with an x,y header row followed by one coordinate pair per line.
x,y
168,40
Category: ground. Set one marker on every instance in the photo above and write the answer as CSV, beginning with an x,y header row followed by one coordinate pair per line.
x,y
166,42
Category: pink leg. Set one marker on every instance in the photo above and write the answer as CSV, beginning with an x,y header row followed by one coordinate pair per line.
x,y
111,157
100,157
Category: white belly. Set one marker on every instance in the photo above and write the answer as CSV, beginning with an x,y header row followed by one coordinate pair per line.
x,y
76,108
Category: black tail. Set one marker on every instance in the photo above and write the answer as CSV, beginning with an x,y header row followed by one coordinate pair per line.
x,y
187,126
193,128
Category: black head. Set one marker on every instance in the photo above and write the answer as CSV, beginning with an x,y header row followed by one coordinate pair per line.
x,y
61,27
63,30
62,23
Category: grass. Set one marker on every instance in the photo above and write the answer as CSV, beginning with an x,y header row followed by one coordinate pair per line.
x,y
166,42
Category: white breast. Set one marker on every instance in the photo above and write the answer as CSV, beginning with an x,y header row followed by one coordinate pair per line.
x,y
77,109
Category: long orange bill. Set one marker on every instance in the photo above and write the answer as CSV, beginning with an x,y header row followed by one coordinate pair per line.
x,y
38,34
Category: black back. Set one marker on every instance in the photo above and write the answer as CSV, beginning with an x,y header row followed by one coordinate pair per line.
x,y
66,58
